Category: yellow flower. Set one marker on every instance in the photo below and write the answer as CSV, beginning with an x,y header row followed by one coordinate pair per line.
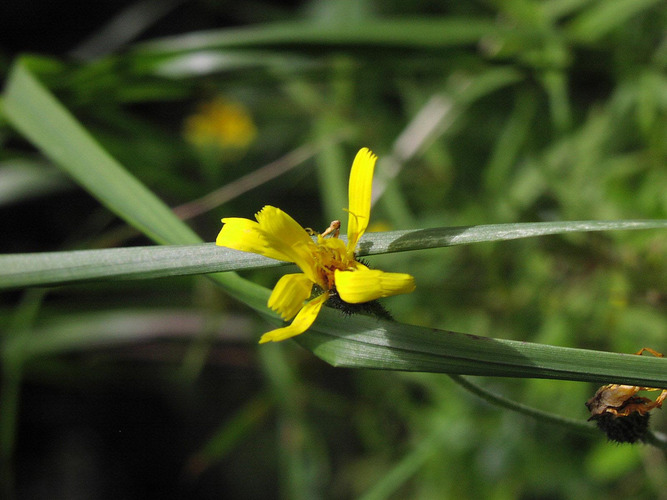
x,y
330,268
220,123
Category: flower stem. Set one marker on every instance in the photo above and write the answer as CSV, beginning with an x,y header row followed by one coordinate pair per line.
x,y
656,439
495,399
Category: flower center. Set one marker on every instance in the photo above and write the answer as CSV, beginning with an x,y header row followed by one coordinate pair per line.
x,y
331,254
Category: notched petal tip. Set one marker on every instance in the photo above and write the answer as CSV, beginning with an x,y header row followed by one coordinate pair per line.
x,y
364,285
247,236
235,231
359,192
301,323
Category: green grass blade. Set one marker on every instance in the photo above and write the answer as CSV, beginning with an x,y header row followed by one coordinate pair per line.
x,y
408,466
30,108
53,268
596,22
415,239
231,433
365,342
113,328
22,179
413,33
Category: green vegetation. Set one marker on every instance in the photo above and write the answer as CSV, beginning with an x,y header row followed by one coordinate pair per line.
x,y
521,180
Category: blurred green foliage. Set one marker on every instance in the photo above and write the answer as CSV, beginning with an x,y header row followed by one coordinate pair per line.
x,y
481,112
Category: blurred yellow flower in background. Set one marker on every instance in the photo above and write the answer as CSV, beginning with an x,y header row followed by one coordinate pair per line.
x,y
329,265
222,124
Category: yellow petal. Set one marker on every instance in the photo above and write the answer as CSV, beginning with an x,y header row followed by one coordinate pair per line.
x,y
301,323
289,294
285,235
361,183
364,285
247,236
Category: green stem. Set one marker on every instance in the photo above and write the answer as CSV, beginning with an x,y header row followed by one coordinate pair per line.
x,y
656,439
571,423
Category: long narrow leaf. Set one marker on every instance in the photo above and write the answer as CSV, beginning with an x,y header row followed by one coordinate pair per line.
x,y
51,268
97,330
599,20
415,33
415,239
30,108
55,268
366,342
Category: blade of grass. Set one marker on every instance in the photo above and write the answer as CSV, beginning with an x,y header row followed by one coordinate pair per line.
x,y
594,23
415,33
414,239
229,435
99,330
365,342
30,108
125,26
52,268
22,320
408,465
302,461
22,179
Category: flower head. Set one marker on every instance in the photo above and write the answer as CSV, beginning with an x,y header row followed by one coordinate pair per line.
x,y
222,124
329,265
620,413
